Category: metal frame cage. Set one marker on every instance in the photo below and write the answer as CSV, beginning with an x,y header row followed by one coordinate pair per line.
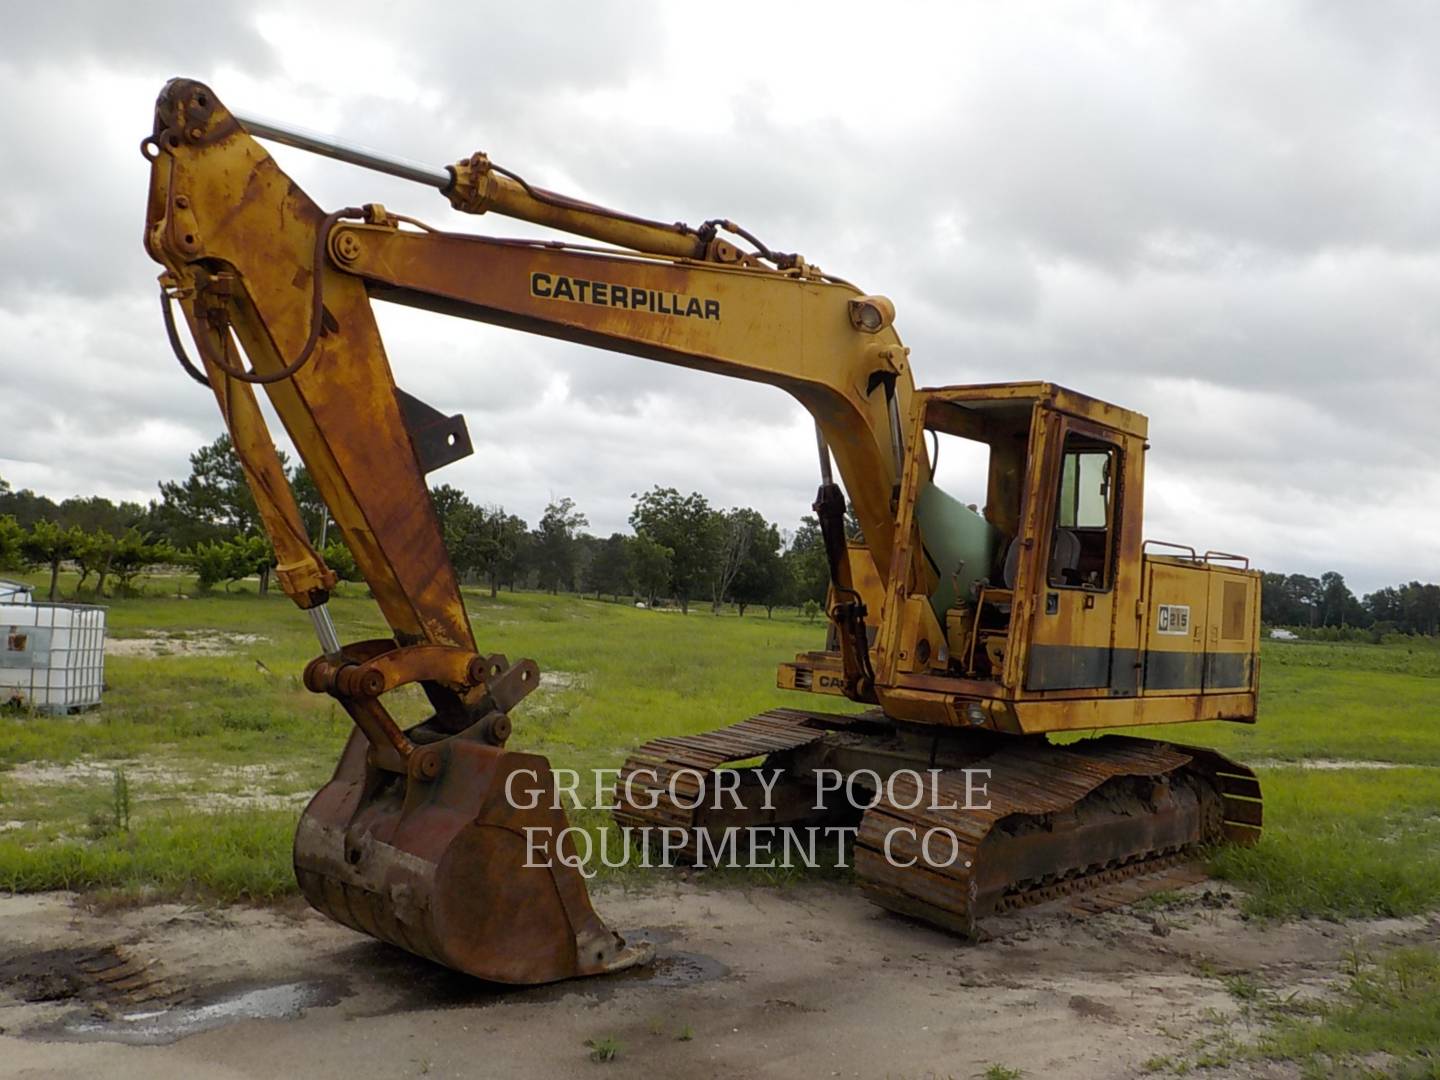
x,y
52,656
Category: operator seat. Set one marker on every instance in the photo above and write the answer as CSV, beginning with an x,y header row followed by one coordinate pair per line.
x,y
1064,558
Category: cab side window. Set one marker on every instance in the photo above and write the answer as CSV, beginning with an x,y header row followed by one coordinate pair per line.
x,y
1085,514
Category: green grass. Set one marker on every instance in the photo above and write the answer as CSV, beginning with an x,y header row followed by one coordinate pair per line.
x,y
1342,843
1382,1020
239,855
1391,1006
604,1050
196,732
219,752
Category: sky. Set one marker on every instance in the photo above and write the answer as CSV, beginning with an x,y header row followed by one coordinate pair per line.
x,y
1224,215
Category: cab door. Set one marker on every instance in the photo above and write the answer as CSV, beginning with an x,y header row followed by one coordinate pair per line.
x,y
1073,575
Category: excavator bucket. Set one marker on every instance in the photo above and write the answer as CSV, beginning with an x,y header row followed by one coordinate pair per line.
x,y
464,866
438,839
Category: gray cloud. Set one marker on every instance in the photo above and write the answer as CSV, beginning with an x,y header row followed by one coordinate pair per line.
x,y
1225,217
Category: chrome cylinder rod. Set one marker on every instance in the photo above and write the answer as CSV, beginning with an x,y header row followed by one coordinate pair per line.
x,y
325,630
826,477
326,146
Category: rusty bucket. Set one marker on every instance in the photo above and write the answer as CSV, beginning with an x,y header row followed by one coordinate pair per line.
x,y
454,860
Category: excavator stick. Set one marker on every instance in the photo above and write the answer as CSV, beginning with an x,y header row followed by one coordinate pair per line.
x,y
435,838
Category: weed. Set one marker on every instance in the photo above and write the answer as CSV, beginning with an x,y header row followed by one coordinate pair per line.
x,y
1001,1072
606,1049
1243,988
686,1034
120,801
1160,900
1389,1007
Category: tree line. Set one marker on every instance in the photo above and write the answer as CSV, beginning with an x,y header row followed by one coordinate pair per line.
x,y
681,550
1301,601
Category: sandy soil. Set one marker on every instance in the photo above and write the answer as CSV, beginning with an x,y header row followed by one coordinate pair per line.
x,y
808,981
252,787
160,643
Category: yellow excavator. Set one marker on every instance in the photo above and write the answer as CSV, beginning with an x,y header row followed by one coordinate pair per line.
x,y
979,637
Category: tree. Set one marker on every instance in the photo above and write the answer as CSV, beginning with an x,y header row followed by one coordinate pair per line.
x,y
611,568
93,554
1305,593
214,502
555,544
761,578
339,558
447,501
97,514
735,528
1290,600
808,565
460,522
687,526
1338,606
650,567
47,544
313,510
212,561
135,551
12,537
1384,605
230,560
26,507
501,550
1420,605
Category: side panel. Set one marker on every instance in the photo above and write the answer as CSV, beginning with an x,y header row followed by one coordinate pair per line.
x,y
1230,640
1177,600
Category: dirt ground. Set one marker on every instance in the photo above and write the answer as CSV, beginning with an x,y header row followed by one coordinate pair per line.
x,y
805,981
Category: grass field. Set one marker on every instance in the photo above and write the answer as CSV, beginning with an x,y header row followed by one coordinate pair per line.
x,y
190,778
188,781
217,745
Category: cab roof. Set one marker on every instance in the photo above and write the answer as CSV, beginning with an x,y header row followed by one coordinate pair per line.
x,y
980,396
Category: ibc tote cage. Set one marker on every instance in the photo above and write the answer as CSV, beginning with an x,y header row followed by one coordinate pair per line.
x,y
52,656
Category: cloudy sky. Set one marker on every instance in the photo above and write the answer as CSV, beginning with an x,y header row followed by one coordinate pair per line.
x,y
1224,215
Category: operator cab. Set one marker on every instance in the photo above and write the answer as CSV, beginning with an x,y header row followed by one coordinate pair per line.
x,y
1051,464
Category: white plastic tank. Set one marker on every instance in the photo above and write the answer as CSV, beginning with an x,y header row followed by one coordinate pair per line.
x,y
15,592
52,656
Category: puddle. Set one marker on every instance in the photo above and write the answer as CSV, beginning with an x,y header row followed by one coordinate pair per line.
x,y
669,970
149,1027
428,986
